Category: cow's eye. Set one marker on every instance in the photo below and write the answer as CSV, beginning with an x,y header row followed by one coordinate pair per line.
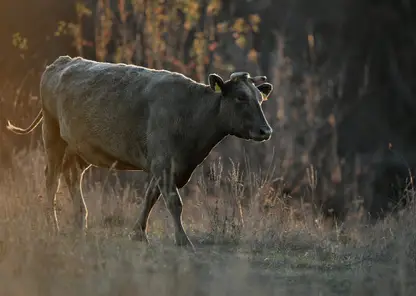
x,y
241,99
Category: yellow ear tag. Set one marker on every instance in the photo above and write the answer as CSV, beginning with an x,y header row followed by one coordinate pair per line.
x,y
217,88
264,97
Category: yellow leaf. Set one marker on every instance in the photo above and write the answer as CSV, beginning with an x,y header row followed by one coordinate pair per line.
x,y
254,19
238,25
241,41
252,55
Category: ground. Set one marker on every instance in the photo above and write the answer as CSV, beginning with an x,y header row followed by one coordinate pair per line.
x,y
255,253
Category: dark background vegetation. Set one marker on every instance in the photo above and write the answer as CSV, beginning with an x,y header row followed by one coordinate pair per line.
x,y
344,75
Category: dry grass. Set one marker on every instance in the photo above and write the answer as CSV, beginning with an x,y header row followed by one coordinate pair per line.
x,y
273,254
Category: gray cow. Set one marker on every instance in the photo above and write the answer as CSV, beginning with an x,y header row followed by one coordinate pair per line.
x,y
129,117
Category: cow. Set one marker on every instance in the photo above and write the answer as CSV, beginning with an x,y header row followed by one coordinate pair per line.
x,y
128,117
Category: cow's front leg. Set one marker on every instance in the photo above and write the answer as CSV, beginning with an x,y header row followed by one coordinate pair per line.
x,y
174,204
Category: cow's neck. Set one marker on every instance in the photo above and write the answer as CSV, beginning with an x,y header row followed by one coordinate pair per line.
x,y
209,130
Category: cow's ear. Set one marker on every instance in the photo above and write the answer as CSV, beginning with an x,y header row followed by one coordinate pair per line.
x,y
265,89
256,80
216,82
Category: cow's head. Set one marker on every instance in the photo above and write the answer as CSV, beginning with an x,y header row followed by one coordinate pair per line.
x,y
241,99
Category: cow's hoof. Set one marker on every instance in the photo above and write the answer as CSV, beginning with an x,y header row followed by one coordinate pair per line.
x,y
184,242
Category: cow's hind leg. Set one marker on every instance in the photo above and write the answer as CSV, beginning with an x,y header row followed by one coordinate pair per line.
x,y
73,170
55,150
151,196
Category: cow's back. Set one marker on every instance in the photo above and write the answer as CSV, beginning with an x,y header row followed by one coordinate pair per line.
x,y
89,83
108,105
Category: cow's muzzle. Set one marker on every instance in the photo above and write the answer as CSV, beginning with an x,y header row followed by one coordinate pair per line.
x,y
261,134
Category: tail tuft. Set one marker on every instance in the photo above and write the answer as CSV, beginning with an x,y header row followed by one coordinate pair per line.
x,y
21,131
11,127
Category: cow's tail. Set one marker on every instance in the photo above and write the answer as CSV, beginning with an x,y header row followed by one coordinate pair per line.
x,y
25,131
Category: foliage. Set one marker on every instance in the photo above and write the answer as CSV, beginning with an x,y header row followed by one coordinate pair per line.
x,y
157,34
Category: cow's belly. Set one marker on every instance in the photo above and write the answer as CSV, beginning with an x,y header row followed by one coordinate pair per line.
x,y
100,150
98,157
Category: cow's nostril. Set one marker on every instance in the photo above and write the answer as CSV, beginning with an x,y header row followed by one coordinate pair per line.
x,y
265,131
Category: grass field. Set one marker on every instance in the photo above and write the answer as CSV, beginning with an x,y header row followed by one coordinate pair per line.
x,y
270,254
